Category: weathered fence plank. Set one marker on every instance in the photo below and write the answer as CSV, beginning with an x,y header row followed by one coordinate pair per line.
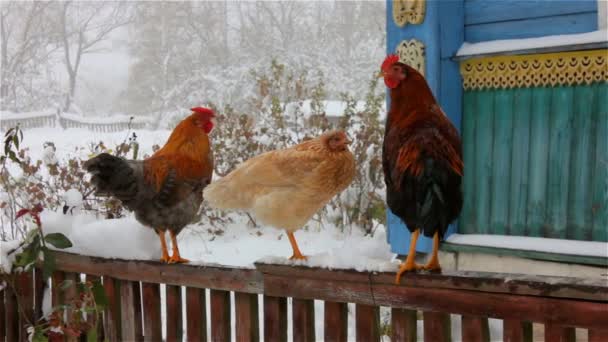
x,y
174,313
39,287
216,277
367,322
220,315
583,314
2,314
436,326
25,293
403,325
12,315
303,320
514,330
246,314
196,318
559,333
335,322
475,329
139,333
597,335
127,311
275,318
151,303
111,314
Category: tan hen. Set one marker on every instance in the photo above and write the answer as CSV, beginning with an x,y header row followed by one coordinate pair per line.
x,y
285,188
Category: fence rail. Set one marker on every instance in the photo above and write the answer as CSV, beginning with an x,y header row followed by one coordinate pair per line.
x,y
134,312
71,121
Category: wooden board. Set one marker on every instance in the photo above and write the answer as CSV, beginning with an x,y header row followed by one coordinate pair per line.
x,y
196,314
584,314
538,161
275,318
475,329
220,315
515,330
437,327
111,316
151,304
507,283
403,325
127,312
501,160
536,27
483,11
206,276
246,314
303,320
174,313
335,321
367,322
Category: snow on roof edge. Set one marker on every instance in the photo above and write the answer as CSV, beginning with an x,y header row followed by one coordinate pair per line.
x,y
506,45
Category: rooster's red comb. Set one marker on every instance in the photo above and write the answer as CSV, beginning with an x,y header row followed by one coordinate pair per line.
x,y
389,60
203,110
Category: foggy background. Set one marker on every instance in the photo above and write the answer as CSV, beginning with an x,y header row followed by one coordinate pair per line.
x,y
140,58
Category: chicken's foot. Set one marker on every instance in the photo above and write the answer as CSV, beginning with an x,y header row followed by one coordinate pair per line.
x,y
175,258
433,263
297,255
163,245
409,264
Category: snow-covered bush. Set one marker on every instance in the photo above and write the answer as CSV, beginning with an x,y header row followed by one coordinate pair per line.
x,y
278,121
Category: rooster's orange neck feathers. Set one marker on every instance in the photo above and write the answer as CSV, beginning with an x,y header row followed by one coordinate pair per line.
x,y
185,152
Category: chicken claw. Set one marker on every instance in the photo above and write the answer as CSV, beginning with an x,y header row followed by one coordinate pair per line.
x,y
177,260
407,266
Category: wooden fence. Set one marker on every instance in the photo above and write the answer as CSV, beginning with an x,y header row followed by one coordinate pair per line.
x,y
71,121
134,310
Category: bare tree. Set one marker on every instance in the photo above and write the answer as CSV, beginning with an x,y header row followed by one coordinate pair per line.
x,y
26,46
84,25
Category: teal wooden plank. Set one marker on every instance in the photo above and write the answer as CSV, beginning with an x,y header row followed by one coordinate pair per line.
x,y
467,218
599,200
535,27
501,160
484,11
579,216
483,155
518,194
560,134
539,155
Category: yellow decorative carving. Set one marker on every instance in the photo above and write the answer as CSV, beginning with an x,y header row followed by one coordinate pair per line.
x,y
408,11
551,69
411,52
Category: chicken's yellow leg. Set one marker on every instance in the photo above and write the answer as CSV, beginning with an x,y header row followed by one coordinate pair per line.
x,y
433,264
175,258
409,264
163,246
297,255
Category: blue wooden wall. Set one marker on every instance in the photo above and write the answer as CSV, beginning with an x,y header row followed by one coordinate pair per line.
x,y
509,19
448,23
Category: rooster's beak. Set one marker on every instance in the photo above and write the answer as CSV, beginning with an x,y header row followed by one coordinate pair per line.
x,y
348,141
380,74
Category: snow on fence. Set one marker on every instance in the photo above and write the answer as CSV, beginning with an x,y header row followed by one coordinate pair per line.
x,y
66,120
134,310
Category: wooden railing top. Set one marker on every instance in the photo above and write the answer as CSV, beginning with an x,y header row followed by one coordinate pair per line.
x,y
202,276
252,280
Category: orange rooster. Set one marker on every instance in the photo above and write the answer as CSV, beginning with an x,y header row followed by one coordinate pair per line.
x,y
165,190
422,160
285,188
